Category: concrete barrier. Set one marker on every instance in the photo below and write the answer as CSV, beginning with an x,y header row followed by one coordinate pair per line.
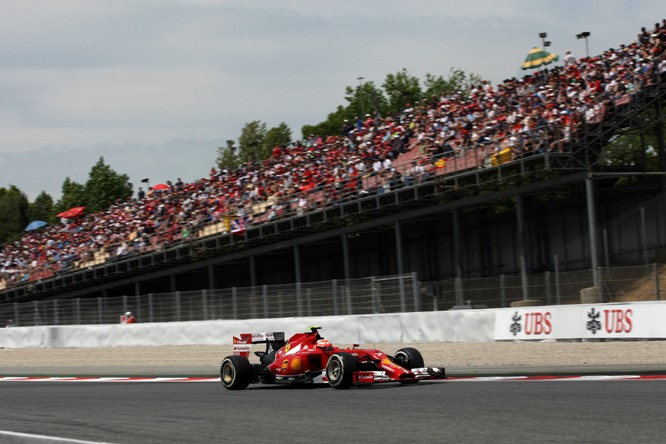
x,y
591,295
526,303
591,321
450,326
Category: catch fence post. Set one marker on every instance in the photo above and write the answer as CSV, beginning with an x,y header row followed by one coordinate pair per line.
x,y
150,307
334,292
502,279
558,300
657,290
100,313
299,301
264,294
234,303
178,306
416,291
77,303
204,304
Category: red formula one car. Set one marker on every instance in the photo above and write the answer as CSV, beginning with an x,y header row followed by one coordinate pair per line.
x,y
308,358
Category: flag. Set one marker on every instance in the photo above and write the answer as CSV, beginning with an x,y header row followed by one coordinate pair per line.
x,y
238,226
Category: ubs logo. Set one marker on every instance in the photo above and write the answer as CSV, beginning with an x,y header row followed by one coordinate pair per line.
x,y
535,323
615,320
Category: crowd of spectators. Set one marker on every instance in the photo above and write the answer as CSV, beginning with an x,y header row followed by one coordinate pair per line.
x,y
538,113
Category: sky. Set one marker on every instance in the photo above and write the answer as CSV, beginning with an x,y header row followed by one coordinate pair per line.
x,y
156,86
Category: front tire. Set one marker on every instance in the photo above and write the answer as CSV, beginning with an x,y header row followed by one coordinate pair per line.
x,y
409,358
340,370
236,372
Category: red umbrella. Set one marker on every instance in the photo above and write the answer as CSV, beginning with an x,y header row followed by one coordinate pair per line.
x,y
161,186
72,212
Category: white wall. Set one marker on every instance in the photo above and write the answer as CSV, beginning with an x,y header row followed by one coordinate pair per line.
x,y
615,321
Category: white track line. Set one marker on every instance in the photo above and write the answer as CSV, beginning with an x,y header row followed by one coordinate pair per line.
x,y
451,379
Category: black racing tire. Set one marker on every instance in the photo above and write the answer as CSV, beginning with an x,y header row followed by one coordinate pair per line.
x,y
236,372
409,358
340,370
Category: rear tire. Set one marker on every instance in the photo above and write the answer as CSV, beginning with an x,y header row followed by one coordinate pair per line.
x,y
340,370
236,372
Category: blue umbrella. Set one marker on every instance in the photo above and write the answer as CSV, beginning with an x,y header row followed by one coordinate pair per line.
x,y
36,225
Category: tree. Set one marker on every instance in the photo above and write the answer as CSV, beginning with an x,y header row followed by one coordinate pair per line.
x,y
251,142
41,208
73,195
331,126
397,91
457,82
401,89
366,98
13,212
104,187
277,136
227,157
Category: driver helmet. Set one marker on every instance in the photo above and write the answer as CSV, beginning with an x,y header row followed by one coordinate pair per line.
x,y
129,313
325,344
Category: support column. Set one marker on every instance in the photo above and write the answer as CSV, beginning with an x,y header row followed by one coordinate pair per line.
x,y
297,264
399,264
592,227
211,277
297,277
345,259
398,247
253,271
522,263
457,256
347,272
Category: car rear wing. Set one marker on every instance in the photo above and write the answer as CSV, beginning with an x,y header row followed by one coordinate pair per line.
x,y
243,345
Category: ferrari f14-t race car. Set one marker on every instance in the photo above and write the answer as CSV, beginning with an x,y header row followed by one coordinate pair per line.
x,y
308,358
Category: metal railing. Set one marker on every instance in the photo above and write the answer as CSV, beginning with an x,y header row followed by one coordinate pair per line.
x,y
372,295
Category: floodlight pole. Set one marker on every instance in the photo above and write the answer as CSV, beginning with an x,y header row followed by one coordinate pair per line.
x,y
585,35
360,92
544,43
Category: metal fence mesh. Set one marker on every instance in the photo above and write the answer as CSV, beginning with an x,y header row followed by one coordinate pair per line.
x,y
372,295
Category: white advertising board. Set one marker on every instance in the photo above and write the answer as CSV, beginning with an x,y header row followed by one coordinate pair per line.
x,y
608,321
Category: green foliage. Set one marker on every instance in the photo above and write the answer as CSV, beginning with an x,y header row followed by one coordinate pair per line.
x,y
331,126
634,147
42,208
72,196
396,92
256,143
251,142
278,136
103,188
13,213
365,99
401,89
457,82
227,157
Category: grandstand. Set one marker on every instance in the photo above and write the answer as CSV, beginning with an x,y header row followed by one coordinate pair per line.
x,y
506,180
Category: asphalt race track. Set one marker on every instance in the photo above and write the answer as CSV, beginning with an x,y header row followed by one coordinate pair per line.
x,y
604,411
